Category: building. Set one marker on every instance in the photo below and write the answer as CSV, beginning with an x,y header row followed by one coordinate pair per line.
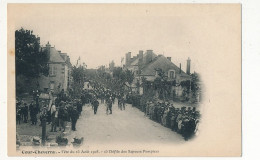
x,y
60,68
149,65
138,62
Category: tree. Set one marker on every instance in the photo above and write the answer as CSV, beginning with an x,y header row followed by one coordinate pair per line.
x,y
195,86
191,87
79,75
129,76
30,60
161,84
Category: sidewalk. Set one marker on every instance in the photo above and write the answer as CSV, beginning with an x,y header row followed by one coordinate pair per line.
x,y
27,131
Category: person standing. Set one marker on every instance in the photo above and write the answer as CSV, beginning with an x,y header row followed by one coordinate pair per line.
x,y
79,106
31,111
62,117
109,103
25,112
95,104
53,118
74,118
18,116
34,113
69,110
123,102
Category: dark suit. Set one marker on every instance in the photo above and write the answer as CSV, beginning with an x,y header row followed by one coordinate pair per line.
x,y
74,118
95,104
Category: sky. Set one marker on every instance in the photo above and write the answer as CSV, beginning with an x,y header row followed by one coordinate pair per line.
x,y
101,34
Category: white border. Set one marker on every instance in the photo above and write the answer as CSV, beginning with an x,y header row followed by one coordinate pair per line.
x,y
250,74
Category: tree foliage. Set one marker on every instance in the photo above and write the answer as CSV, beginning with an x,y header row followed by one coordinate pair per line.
x,y
191,86
123,75
79,75
162,85
31,61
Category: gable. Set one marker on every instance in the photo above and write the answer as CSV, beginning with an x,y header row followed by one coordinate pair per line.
x,y
162,63
55,56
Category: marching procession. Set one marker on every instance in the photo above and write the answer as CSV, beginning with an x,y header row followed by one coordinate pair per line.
x,y
57,113
63,109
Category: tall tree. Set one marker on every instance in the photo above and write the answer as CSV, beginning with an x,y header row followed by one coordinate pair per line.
x,y
31,61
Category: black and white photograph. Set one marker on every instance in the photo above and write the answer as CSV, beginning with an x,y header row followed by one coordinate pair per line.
x,y
124,79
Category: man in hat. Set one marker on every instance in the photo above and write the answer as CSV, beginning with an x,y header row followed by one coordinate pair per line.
x,y
34,112
62,116
74,117
95,105
79,106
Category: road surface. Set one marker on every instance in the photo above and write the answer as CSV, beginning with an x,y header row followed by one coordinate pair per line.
x,y
129,126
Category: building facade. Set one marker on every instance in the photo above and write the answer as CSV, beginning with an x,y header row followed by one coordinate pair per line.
x,y
60,68
149,65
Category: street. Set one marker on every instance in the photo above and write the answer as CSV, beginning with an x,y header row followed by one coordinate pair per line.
x,y
129,126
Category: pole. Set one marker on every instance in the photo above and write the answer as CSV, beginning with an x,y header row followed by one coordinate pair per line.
x,y
43,130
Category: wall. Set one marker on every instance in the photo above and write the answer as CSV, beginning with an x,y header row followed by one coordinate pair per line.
x,y
66,74
58,78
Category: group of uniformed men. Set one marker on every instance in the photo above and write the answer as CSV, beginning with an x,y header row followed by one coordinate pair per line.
x,y
182,120
105,95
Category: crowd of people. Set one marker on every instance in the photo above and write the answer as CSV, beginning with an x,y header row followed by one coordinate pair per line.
x,y
23,110
54,112
106,96
182,120
57,113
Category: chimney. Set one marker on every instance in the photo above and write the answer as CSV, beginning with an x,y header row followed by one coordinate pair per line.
x,y
140,57
149,56
48,47
188,66
169,58
127,59
180,68
140,60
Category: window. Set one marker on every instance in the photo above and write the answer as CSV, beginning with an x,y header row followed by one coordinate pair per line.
x,y
171,74
53,70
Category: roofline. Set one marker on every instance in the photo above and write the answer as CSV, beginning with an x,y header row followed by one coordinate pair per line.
x,y
153,61
56,62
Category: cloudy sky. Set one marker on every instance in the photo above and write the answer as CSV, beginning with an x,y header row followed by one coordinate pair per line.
x,y
99,34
